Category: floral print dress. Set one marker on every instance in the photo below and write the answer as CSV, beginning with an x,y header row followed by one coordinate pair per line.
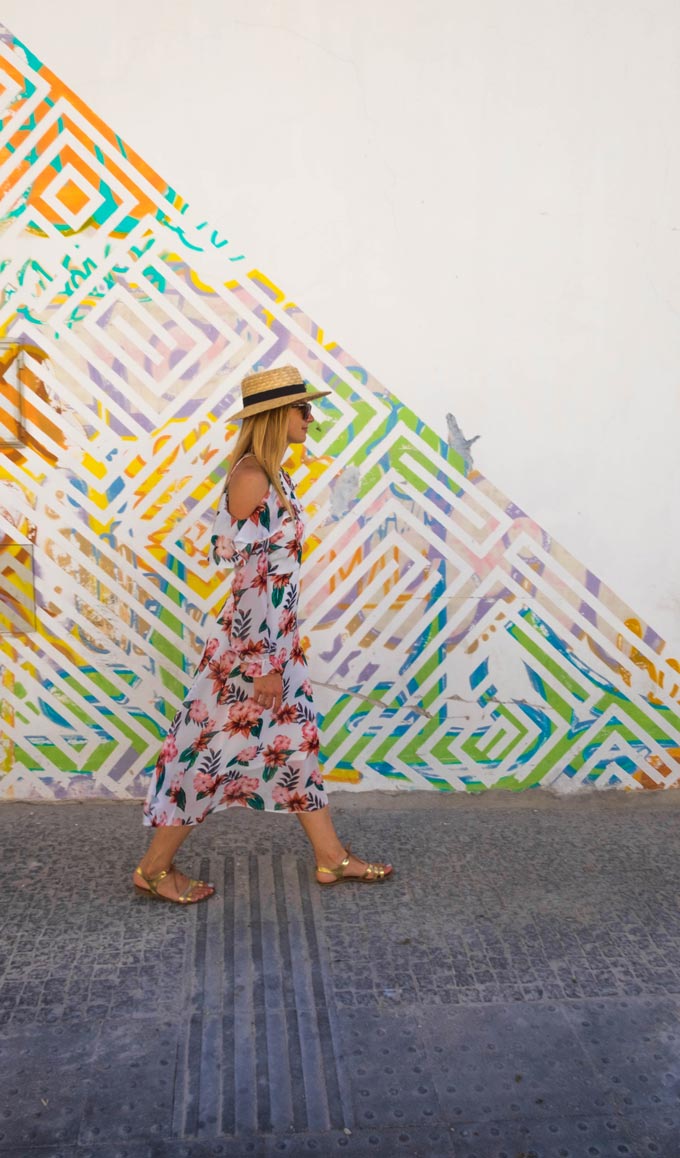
x,y
222,748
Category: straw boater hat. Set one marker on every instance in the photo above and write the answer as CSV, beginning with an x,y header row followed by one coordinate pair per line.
x,y
276,387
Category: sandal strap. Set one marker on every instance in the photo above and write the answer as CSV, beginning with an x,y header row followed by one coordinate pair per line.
x,y
159,876
337,871
152,882
198,882
371,872
185,897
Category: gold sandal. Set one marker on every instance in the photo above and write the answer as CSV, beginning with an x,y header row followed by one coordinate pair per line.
x,y
208,883
377,871
184,897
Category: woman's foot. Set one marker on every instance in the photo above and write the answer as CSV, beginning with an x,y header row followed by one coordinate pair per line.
x,y
355,869
175,886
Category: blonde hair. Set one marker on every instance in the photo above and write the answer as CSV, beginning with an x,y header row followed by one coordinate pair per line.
x,y
264,435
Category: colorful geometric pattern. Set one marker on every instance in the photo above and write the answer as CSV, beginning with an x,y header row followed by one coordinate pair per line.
x,y
452,643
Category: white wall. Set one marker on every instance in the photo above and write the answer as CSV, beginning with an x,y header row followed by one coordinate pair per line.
x,y
479,200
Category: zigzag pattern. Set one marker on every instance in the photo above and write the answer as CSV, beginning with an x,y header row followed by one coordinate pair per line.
x,y
454,645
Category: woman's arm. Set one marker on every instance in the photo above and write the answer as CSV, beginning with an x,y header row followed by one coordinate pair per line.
x,y
266,610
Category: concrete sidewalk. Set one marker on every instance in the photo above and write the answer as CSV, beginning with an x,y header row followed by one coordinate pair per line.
x,y
513,991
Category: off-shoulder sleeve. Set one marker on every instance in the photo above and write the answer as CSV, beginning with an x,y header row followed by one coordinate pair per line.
x,y
280,566
233,538
264,584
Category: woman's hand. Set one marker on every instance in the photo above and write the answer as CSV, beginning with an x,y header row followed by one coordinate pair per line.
x,y
268,690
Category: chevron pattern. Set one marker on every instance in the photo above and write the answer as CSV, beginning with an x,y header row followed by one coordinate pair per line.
x,y
453,645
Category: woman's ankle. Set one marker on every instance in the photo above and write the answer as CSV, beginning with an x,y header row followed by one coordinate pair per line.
x,y
151,867
331,858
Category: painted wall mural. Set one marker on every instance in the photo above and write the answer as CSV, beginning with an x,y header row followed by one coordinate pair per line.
x,y
452,644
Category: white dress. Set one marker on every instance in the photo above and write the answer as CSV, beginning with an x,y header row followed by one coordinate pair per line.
x,y
223,749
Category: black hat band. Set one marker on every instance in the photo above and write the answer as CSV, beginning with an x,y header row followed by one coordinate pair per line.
x,y
277,392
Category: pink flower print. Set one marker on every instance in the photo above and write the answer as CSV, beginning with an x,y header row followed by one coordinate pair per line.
x,y
280,580
286,622
259,582
286,714
276,753
307,688
293,547
198,711
202,741
296,652
280,743
252,669
247,783
220,670
209,650
316,778
251,650
291,801
298,802
174,790
226,621
205,783
238,791
238,581
247,754
169,749
242,718
310,741
224,547
278,659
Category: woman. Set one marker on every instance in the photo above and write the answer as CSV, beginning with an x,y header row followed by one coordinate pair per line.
x,y
246,733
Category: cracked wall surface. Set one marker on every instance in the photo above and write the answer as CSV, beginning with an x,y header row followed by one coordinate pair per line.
x,y
452,643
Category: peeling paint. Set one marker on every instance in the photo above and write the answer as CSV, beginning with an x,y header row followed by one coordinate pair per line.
x,y
459,442
344,490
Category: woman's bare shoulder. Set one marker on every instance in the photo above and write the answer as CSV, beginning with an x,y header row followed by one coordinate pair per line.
x,y
248,484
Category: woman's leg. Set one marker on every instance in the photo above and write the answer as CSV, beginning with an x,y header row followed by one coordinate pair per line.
x,y
328,850
159,856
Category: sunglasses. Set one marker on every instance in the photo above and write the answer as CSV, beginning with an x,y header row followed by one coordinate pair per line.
x,y
305,407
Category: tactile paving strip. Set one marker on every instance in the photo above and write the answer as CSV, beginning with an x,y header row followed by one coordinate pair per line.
x,y
260,1054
